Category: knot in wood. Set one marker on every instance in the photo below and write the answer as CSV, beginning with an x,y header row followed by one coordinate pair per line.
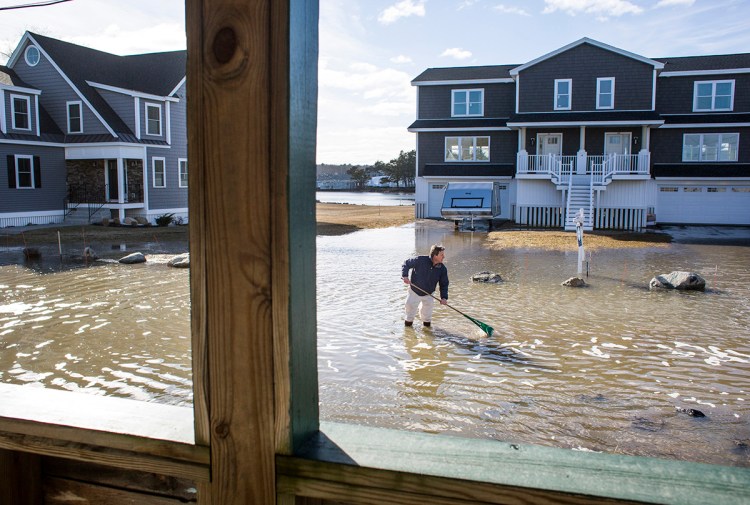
x,y
222,430
225,45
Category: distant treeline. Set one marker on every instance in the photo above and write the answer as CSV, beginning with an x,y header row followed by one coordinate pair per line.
x,y
399,171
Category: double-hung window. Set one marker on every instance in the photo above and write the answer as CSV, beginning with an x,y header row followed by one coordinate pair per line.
x,y
467,102
563,93
21,172
159,172
467,149
153,119
710,146
183,172
75,117
20,112
605,93
713,96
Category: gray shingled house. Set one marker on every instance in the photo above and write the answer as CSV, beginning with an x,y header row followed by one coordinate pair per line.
x,y
629,139
86,134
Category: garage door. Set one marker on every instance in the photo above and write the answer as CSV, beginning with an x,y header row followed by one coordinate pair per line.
x,y
703,204
435,199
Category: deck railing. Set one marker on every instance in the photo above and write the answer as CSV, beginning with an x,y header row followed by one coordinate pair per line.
x,y
601,167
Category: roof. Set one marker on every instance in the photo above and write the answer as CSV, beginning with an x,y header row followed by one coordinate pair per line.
x,y
463,124
484,73
697,63
603,117
9,78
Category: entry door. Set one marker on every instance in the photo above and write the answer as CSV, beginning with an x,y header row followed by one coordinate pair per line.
x,y
548,143
113,184
619,144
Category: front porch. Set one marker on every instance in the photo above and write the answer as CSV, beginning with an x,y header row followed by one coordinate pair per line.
x,y
94,185
601,168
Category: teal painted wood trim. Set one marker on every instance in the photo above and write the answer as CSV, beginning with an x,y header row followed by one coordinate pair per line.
x,y
620,477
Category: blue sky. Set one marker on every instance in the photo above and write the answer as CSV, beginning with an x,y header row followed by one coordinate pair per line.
x,y
370,50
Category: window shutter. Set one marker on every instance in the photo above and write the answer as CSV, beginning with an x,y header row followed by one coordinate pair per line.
x,y
11,171
37,172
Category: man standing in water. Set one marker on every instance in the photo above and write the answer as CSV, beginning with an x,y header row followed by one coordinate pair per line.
x,y
427,272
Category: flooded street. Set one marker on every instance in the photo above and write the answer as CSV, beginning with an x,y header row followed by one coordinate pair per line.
x,y
601,368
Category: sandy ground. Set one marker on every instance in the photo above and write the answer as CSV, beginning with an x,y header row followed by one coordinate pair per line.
x,y
338,218
565,241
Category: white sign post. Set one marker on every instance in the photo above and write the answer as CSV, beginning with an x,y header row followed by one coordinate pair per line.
x,y
578,220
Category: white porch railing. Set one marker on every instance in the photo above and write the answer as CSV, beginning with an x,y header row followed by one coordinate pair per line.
x,y
555,165
603,167
600,167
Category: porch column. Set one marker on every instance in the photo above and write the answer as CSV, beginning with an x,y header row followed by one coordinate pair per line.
x,y
122,187
522,139
522,157
581,154
644,161
645,138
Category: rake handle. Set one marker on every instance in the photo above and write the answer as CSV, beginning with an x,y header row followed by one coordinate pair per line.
x,y
436,298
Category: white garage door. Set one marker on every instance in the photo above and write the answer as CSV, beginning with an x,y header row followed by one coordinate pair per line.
x,y
435,199
703,204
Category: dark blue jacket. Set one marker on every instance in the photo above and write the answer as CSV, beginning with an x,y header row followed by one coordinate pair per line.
x,y
426,276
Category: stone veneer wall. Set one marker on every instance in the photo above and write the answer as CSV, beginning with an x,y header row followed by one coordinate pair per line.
x,y
88,174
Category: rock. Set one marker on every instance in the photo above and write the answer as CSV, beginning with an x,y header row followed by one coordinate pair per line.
x,y
181,261
141,220
690,412
490,277
679,280
89,254
575,282
129,221
131,259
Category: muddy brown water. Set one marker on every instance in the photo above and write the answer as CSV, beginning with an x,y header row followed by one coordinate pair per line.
x,y
602,368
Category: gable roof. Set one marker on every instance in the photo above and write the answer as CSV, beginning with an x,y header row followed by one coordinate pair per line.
x,y
9,78
596,43
705,64
489,73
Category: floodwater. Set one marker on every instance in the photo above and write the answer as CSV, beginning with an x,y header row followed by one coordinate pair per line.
x,y
601,368
365,198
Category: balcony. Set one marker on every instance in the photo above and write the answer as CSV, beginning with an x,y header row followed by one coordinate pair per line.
x,y
602,168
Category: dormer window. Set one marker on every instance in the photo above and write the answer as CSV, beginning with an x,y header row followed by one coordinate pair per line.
x,y
153,119
20,112
32,56
467,102
75,117
605,93
709,96
563,92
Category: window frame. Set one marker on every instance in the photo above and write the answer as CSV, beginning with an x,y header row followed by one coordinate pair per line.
x,y
163,161
467,102
30,158
68,106
701,146
473,149
599,93
180,177
569,94
28,49
14,112
713,107
149,122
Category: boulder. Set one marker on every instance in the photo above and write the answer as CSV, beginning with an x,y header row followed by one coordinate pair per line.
x,y
129,221
131,259
575,282
181,261
690,412
141,220
490,277
679,280
89,254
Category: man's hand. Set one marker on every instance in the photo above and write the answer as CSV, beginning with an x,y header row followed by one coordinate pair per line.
x,y
406,280
443,301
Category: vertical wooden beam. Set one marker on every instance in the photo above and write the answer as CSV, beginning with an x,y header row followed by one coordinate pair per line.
x,y
20,478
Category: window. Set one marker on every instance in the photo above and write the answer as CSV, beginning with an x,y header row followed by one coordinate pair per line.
x,y
563,90
32,56
153,119
160,176
75,118
692,189
741,189
467,149
710,146
183,171
713,95
605,93
21,105
24,172
467,102
668,189
716,190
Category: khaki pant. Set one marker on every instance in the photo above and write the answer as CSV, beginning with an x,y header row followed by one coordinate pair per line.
x,y
413,302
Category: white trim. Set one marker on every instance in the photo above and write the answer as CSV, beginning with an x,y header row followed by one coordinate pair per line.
x,y
593,42
168,123
80,111
500,80
518,92
599,81
702,144
36,116
13,111
29,157
137,103
467,103
179,172
653,92
26,55
20,89
153,171
464,129
474,148
706,125
723,71
585,123
34,217
11,62
32,143
713,95
32,213
3,117
179,84
131,92
144,165
569,94
147,106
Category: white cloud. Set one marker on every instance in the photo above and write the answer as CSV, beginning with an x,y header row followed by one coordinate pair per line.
x,y
672,3
402,9
457,53
364,144
505,9
401,59
601,8
465,4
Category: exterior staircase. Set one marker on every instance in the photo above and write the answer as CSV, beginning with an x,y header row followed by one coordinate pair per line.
x,y
580,196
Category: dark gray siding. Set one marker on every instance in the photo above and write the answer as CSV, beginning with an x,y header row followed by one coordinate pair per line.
x,y
431,149
570,143
435,101
50,196
666,145
142,108
173,196
56,92
123,105
584,64
9,112
674,95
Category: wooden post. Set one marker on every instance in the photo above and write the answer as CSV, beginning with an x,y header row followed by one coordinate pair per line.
x,y
20,478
